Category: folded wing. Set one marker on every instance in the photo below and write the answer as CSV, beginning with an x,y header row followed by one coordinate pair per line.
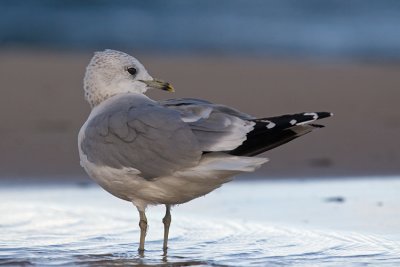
x,y
216,127
221,128
159,139
140,134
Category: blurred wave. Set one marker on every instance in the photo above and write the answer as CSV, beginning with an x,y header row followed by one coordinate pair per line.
x,y
331,28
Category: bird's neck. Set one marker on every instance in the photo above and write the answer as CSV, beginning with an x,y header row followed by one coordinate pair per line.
x,y
94,96
99,90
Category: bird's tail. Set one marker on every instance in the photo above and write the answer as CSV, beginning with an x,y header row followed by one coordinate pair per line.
x,y
271,132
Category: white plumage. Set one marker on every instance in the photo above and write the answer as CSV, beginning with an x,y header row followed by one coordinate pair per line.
x,y
172,151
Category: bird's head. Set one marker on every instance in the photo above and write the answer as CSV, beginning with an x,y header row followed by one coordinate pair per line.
x,y
113,72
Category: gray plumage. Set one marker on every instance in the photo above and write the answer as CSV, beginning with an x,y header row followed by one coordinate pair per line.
x,y
172,133
139,133
172,151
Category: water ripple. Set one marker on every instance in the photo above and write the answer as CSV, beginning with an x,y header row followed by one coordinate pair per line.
x,y
40,233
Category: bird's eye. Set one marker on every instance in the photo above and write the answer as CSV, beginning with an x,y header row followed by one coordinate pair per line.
x,y
132,70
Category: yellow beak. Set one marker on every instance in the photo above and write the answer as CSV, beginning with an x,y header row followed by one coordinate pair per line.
x,y
158,84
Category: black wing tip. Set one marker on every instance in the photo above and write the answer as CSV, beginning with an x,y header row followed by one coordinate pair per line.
x,y
290,120
271,132
324,114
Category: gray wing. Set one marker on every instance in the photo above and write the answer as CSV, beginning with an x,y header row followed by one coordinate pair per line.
x,y
141,135
195,107
221,128
216,127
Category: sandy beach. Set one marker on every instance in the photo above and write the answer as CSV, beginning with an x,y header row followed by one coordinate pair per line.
x,y
43,108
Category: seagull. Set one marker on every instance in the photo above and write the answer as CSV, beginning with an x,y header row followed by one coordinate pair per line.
x,y
168,152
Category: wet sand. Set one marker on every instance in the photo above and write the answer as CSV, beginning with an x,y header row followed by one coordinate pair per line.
x,y
43,109
259,223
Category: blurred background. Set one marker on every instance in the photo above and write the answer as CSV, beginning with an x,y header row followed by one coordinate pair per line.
x,y
263,57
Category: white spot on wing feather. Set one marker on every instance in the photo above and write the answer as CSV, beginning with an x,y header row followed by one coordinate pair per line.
x,y
269,125
304,122
315,115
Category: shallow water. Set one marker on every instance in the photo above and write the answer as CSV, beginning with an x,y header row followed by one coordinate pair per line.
x,y
242,224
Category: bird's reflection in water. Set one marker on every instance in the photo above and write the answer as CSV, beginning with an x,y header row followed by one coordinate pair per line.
x,y
139,259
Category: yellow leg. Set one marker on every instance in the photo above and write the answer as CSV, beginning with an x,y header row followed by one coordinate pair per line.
x,y
143,229
167,222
